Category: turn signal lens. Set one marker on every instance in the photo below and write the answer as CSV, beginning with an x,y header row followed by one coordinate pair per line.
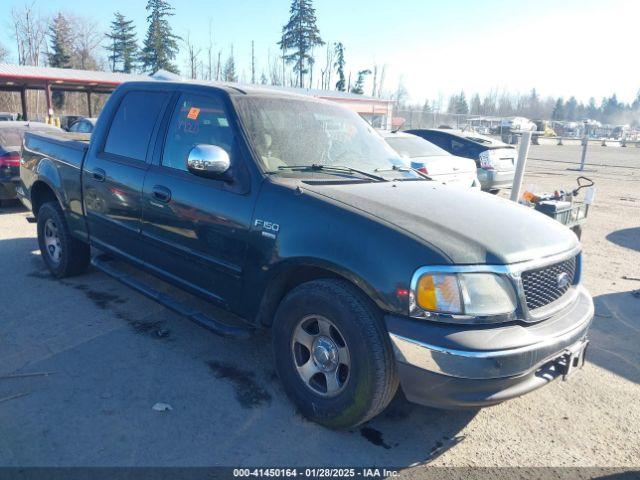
x,y
439,293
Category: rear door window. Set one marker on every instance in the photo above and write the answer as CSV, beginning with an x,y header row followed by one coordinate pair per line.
x,y
133,124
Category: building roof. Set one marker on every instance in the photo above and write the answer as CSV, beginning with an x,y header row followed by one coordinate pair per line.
x,y
37,77
13,76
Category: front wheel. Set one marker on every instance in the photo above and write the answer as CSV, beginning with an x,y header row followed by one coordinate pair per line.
x,y
63,254
333,354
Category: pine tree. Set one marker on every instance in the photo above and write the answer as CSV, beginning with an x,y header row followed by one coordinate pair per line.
x,y
558,110
592,111
476,105
462,107
229,72
160,44
61,38
358,88
299,36
122,45
339,66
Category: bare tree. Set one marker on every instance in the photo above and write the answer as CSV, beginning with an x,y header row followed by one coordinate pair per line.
x,y
383,72
4,53
219,66
86,40
253,63
29,30
375,80
328,68
192,56
209,51
274,70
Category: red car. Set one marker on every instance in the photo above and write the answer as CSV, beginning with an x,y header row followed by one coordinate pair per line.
x,y
11,135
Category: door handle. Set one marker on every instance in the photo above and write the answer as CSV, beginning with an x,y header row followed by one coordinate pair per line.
x,y
99,175
162,194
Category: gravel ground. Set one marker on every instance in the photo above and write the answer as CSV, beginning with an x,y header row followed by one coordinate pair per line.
x,y
109,355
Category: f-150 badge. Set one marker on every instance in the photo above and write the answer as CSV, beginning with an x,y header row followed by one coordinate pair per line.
x,y
269,229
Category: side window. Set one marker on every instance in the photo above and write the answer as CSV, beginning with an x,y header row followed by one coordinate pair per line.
x,y
133,123
438,139
197,120
74,127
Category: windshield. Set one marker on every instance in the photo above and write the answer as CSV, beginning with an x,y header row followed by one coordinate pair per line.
x,y
287,132
413,147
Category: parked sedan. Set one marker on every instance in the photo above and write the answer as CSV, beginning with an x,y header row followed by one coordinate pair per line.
x,y
433,160
11,135
494,159
84,125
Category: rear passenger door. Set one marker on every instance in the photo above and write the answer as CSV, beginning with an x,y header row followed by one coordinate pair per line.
x,y
114,172
196,229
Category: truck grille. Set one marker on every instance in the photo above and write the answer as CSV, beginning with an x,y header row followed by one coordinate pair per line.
x,y
543,286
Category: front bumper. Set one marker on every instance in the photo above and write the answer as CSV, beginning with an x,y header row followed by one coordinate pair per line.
x,y
453,366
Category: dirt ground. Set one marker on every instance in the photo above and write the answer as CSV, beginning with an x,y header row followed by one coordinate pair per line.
x,y
103,355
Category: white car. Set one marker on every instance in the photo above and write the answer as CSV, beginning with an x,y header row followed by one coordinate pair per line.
x,y
428,158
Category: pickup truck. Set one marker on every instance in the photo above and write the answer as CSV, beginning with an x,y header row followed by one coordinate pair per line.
x,y
294,215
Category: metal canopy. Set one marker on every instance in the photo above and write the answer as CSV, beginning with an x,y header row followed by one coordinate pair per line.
x,y
19,78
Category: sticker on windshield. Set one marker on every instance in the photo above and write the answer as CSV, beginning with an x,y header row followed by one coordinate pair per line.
x,y
193,113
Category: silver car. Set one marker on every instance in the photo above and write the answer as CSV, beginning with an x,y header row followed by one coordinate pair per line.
x,y
495,160
434,161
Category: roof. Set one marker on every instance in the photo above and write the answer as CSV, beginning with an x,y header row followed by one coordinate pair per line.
x,y
37,77
390,134
13,76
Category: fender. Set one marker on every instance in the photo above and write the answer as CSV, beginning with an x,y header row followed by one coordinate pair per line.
x,y
48,173
286,274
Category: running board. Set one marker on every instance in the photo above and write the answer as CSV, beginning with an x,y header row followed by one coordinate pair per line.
x,y
102,263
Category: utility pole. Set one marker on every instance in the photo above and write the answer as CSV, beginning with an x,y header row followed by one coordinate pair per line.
x,y
585,144
523,152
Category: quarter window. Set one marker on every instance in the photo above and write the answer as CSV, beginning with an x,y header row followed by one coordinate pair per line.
x,y
197,120
133,124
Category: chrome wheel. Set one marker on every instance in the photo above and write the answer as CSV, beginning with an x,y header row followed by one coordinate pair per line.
x,y
320,355
52,241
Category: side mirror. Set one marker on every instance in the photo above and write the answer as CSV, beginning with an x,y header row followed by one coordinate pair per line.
x,y
208,161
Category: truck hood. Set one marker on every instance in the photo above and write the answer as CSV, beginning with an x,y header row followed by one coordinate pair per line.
x,y
469,227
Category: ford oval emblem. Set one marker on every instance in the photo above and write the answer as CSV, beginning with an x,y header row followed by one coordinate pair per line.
x,y
562,280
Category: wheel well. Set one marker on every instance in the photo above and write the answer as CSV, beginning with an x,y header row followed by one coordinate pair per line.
x,y
41,193
287,281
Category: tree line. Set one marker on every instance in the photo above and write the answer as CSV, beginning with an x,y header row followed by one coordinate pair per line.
x,y
609,110
301,58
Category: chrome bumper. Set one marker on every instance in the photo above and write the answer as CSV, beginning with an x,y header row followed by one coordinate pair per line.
x,y
469,352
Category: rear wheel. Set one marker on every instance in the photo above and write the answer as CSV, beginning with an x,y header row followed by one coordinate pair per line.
x,y
63,255
333,354
494,192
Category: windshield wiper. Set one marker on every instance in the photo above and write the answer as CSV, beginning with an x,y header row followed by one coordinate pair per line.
x,y
333,169
396,168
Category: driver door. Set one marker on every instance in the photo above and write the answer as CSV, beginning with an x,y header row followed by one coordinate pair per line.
x,y
196,228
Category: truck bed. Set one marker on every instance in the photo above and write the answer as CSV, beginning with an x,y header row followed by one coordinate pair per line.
x,y
69,148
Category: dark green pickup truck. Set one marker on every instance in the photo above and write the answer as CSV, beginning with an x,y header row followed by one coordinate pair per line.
x,y
294,215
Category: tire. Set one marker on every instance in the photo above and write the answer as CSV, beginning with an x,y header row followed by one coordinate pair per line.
x,y
369,382
63,255
494,192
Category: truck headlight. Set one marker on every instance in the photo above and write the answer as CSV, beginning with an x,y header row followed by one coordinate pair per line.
x,y
469,294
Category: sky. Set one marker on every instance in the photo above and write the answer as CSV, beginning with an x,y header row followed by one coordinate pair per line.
x,y
583,48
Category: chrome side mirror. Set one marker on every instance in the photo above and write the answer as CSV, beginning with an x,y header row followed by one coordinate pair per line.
x,y
208,161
